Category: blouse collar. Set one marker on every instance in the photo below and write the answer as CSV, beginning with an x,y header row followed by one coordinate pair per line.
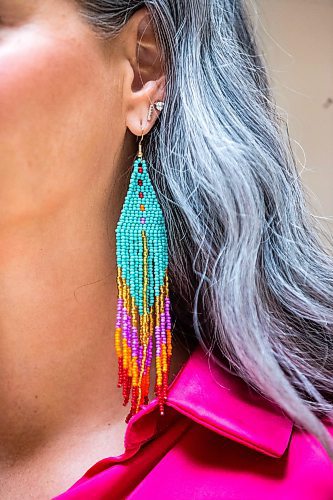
x,y
211,396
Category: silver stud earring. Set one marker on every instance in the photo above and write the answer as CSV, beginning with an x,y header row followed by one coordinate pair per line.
x,y
159,105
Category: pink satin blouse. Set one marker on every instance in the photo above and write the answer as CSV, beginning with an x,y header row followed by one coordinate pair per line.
x,y
217,440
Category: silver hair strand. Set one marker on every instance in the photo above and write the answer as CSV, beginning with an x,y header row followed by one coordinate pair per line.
x,y
249,276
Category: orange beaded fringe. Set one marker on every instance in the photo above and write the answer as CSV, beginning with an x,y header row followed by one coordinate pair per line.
x,y
134,341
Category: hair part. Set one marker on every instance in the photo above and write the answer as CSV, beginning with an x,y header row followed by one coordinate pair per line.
x,y
249,276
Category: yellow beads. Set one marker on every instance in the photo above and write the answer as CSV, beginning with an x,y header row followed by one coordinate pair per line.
x,y
144,331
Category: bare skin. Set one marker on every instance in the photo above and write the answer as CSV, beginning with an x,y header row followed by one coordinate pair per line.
x,y
71,108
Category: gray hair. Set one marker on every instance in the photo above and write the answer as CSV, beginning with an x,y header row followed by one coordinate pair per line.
x,y
250,278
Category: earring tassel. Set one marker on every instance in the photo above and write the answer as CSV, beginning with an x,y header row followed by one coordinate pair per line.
x,y
143,307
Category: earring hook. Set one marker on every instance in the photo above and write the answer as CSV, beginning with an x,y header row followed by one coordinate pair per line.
x,y
140,145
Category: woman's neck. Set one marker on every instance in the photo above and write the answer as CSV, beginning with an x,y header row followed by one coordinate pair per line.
x,y
58,298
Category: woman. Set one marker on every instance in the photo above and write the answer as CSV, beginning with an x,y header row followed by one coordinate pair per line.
x,y
250,392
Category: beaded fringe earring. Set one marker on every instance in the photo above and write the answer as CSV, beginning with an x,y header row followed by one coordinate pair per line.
x,y
143,309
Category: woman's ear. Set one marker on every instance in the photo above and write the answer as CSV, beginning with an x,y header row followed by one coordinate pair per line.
x,y
144,81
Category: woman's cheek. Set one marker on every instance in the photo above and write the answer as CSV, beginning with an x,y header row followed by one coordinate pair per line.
x,y
49,99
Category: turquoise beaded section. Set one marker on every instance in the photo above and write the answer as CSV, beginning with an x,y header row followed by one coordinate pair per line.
x,y
131,223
